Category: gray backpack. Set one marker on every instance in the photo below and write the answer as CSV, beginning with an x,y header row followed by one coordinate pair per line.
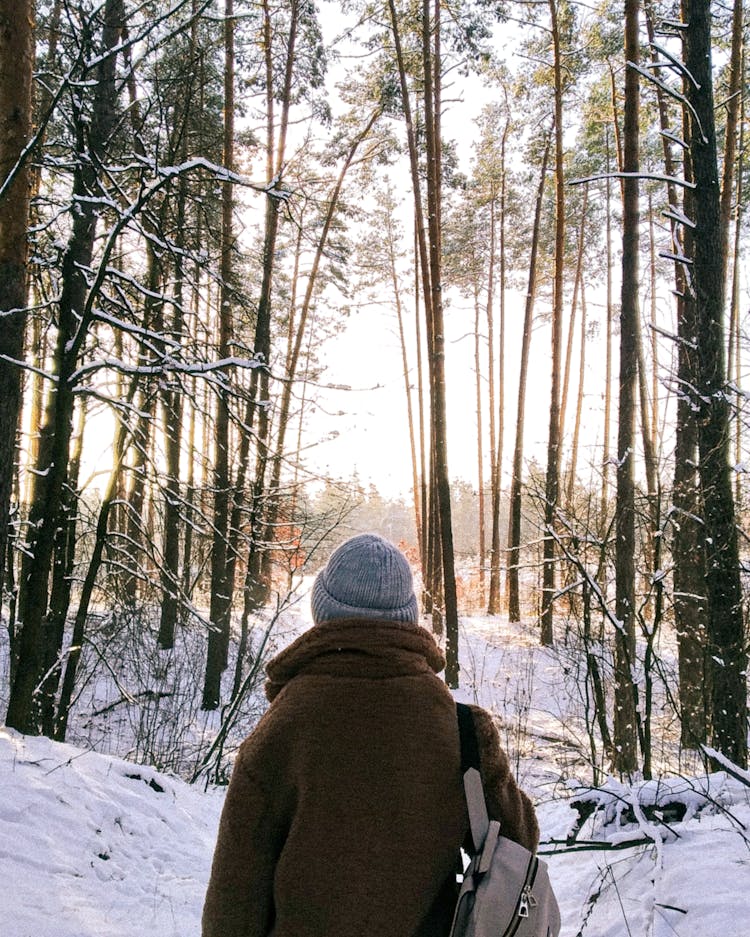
x,y
506,889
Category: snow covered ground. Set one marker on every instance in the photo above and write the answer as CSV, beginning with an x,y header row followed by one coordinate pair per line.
x,y
94,846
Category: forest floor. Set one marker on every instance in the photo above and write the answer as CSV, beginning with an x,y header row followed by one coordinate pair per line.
x,y
95,846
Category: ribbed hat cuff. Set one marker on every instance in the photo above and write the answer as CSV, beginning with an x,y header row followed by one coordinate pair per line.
x,y
326,607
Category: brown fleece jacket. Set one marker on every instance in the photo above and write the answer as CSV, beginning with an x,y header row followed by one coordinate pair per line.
x,y
345,809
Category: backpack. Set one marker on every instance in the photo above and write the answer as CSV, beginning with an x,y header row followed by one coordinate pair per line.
x,y
506,889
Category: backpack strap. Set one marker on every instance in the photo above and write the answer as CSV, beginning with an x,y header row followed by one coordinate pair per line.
x,y
470,765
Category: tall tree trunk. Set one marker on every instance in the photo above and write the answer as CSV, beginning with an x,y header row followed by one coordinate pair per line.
x,y
171,408
423,268
625,722
579,403
577,282
260,379
415,466
119,448
648,438
37,343
491,401
195,304
431,56
727,649
62,582
734,364
552,482
220,603
687,545
135,540
190,493
171,397
734,100
135,502
480,447
263,582
140,503
423,498
604,503
514,524
493,602
654,286
73,320
16,72
690,602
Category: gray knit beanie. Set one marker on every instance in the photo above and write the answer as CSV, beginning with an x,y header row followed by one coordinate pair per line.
x,y
366,577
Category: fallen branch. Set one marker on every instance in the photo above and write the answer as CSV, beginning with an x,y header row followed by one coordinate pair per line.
x,y
131,698
592,845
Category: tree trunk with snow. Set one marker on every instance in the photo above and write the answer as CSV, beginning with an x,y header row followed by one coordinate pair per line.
x,y
220,602
727,647
16,71
625,717
552,479
74,317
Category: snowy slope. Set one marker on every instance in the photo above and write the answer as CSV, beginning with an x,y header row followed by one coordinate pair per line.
x,y
93,846
691,882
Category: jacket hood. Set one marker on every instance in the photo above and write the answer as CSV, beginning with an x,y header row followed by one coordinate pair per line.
x,y
356,648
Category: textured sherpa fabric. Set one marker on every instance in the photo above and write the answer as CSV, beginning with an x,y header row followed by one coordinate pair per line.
x,y
345,808
366,577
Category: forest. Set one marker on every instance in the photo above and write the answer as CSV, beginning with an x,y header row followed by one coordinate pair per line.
x,y
199,197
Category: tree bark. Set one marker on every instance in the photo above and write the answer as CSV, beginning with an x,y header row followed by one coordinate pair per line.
x,y
727,650
62,582
258,409
480,448
577,284
421,408
552,481
171,409
171,396
625,717
734,100
134,541
220,602
687,545
430,570
74,316
432,96
604,502
16,73
514,524
493,602
579,403
734,363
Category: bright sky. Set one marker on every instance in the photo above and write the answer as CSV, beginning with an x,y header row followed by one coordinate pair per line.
x,y
371,420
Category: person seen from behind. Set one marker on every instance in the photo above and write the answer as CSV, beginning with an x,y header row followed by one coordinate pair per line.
x,y
345,810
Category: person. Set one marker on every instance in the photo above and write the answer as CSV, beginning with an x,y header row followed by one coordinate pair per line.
x,y
345,809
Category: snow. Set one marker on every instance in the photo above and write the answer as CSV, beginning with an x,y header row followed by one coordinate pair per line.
x,y
692,885
95,846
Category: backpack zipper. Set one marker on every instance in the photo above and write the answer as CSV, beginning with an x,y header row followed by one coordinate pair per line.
x,y
523,907
525,900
